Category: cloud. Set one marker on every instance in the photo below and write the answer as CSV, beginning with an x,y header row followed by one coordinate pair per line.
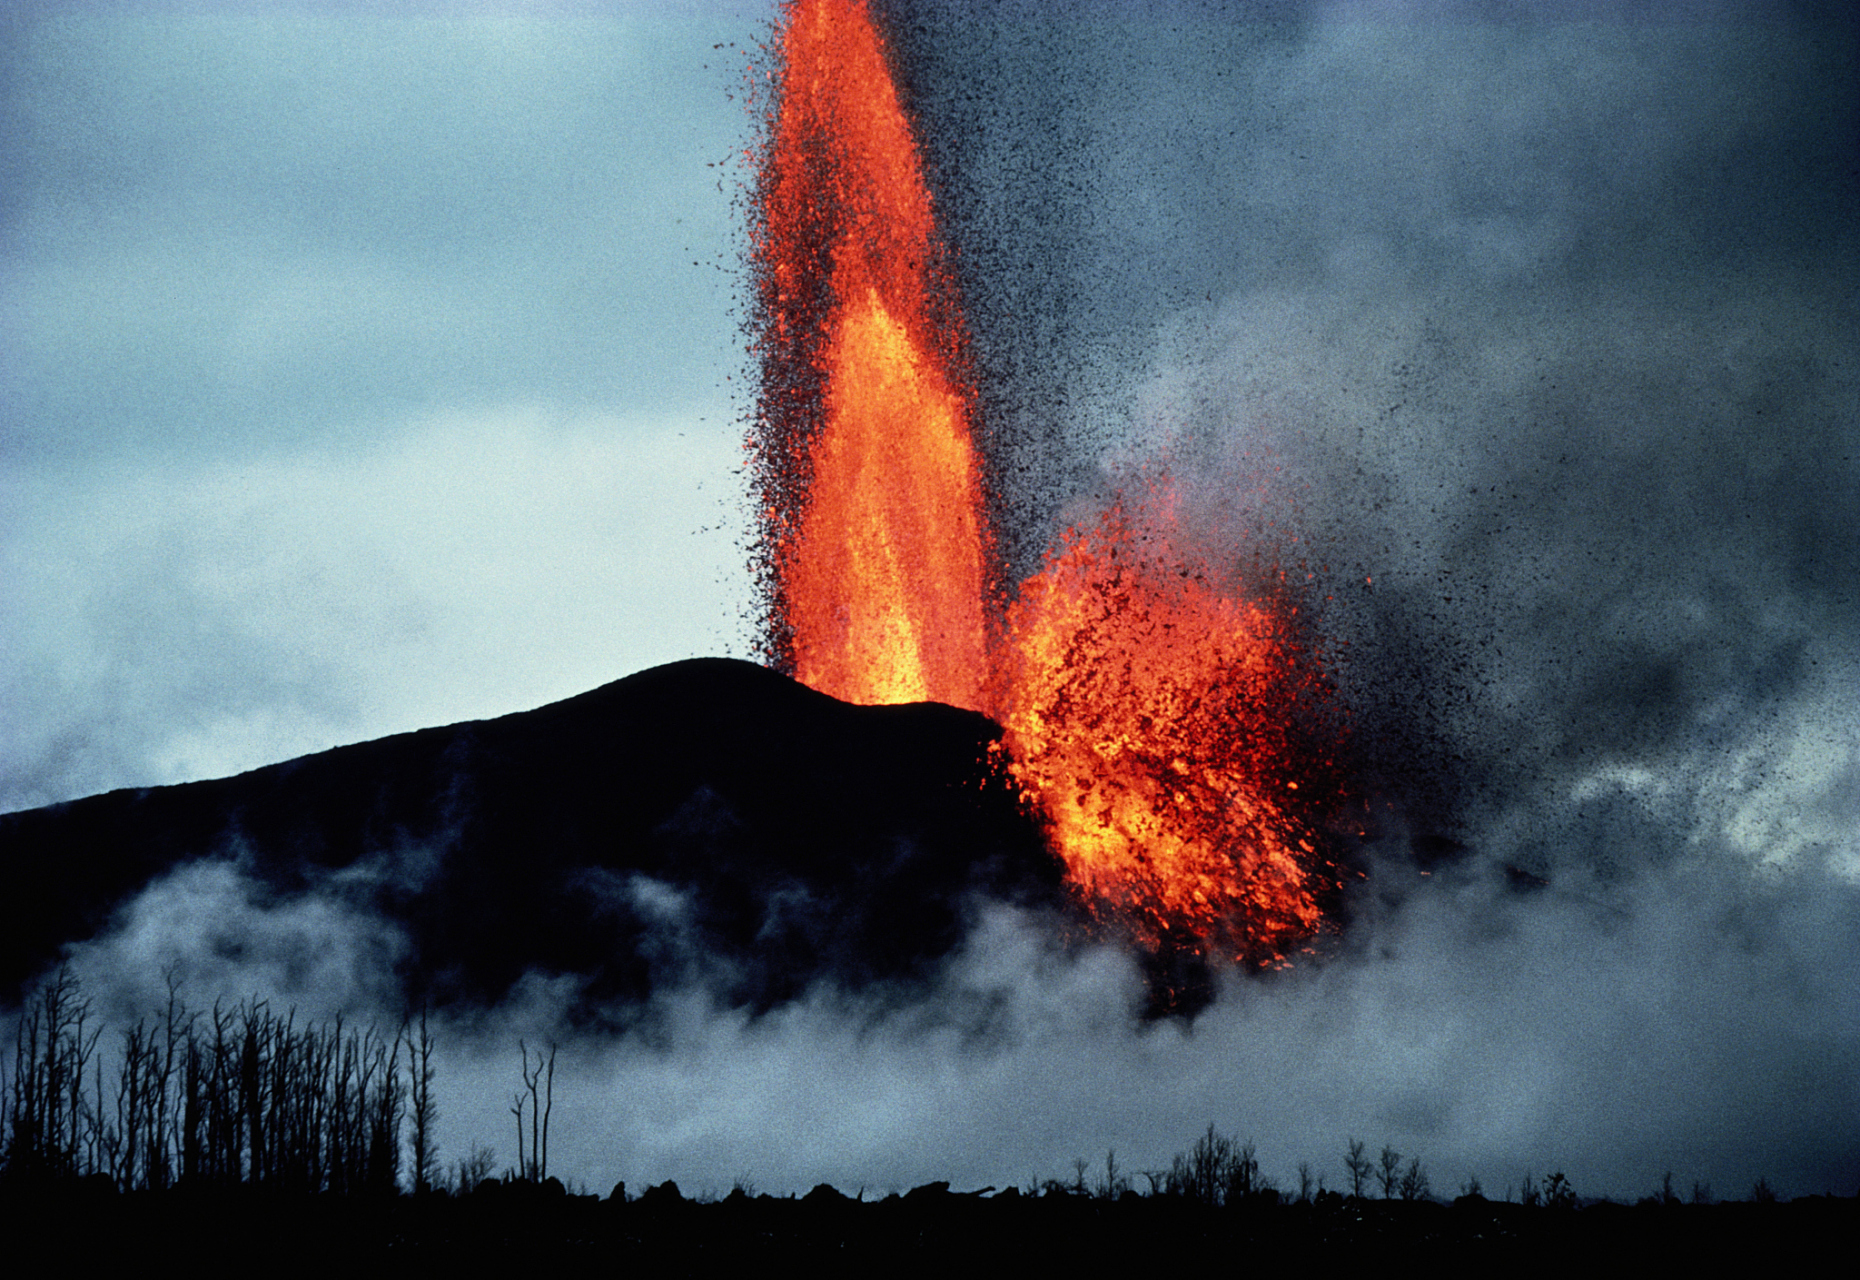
x,y
289,286
231,230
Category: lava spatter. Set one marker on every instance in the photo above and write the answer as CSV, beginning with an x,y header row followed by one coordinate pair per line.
x,y
1148,714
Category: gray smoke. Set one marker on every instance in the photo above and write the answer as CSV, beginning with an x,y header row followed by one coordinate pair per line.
x,y
1524,335
1695,1022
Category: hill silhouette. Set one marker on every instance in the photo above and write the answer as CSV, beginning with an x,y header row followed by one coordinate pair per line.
x,y
707,818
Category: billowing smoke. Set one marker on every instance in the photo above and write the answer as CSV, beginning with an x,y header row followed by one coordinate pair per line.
x,y
1690,1024
1526,334
1521,335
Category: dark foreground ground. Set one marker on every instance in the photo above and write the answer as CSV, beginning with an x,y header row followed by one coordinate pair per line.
x,y
519,1224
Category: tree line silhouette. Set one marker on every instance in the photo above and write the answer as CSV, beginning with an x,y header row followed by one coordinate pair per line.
x,y
234,1095
240,1095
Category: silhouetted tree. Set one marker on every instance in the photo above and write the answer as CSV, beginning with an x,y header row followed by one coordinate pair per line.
x,y
539,1083
241,1095
1359,1167
1204,1172
1558,1194
1389,1174
48,1119
1243,1177
516,1109
474,1169
1115,1182
384,1118
1414,1181
423,1108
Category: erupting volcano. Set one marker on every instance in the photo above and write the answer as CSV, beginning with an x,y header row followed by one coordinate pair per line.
x,y
1148,698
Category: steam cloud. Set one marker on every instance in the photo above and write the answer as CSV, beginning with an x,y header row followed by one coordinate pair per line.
x,y
1528,333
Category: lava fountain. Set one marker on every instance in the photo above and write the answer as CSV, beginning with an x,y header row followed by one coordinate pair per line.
x,y
876,549
1148,705
1161,723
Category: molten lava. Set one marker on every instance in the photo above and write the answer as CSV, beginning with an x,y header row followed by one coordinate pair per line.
x,y
1145,715
872,505
1146,708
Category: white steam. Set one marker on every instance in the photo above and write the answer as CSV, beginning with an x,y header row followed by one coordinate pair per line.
x,y
1698,1018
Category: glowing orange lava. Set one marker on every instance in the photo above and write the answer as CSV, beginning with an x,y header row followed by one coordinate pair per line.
x,y
1144,714
1146,707
880,553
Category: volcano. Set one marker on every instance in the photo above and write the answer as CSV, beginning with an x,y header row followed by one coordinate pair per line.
x,y
709,819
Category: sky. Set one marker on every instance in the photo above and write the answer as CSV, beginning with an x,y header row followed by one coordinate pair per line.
x,y
363,374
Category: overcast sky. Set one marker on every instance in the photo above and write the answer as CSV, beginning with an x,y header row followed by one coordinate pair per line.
x,y
362,372
365,374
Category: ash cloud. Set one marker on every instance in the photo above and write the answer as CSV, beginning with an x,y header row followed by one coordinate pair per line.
x,y
1525,333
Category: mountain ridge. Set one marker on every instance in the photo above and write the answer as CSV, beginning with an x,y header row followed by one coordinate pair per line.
x,y
794,837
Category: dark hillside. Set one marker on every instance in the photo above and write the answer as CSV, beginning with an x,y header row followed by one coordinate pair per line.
x,y
707,813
